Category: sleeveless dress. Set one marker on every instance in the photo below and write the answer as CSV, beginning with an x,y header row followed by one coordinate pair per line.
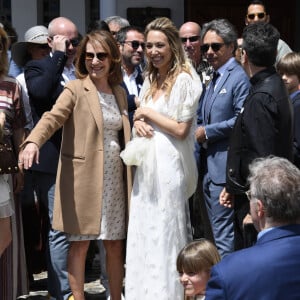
x,y
165,178
113,198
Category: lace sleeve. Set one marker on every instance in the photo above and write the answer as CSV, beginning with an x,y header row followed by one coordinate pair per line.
x,y
185,96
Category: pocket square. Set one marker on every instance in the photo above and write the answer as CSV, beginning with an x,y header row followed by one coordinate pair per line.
x,y
223,91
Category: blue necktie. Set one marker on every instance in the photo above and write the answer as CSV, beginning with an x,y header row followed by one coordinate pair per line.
x,y
209,94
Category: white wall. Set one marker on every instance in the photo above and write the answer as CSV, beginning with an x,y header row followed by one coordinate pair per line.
x,y
24,13
24,16
75,11
176,6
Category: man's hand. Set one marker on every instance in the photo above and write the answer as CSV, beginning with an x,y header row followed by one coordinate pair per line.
x,y
226,199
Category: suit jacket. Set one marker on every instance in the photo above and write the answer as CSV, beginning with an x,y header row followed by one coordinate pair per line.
x,y
296,145
268,270
130,97
263,127
79,182
219,119
45,83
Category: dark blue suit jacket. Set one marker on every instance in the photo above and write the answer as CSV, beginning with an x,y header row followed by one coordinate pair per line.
x,y
130,97
45,82
219,117
269,270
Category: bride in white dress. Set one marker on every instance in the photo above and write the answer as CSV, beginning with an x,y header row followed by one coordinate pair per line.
x,y
166,176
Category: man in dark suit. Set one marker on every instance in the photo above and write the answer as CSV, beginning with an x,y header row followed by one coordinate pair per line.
x,y
131,43
45,80
222,102
270,269
263,127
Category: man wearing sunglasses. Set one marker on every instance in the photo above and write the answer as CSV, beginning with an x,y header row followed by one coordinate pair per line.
x,y
131,43
45,80
189,33
257,12
221,104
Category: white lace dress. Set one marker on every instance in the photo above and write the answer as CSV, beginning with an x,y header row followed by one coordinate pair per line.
x,y
113,198
159,224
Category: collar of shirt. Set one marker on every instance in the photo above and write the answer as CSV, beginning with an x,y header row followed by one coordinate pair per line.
x,y
130,82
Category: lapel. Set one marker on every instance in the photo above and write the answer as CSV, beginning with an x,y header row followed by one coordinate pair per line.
x,y
218,89
92,98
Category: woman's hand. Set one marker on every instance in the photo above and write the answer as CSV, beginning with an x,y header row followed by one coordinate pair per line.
x,y
29,155
141,113
143,129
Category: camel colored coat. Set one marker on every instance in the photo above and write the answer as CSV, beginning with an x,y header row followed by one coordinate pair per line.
x,y
79,181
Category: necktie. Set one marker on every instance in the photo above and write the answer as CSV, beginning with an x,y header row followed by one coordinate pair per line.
x,y
209,94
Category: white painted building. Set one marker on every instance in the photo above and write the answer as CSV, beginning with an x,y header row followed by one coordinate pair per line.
x,y
25,14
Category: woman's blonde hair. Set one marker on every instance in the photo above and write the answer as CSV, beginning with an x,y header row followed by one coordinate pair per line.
x,y
3,52
179,61
197,256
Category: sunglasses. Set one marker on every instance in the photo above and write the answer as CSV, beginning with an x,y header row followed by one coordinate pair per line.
x,y
214,46
259,15
135,44
192,39
100,56
73,42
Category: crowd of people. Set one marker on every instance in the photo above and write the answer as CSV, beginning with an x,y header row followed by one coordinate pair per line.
x,y
176,149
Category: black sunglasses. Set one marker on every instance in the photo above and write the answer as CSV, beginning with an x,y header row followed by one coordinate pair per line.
x,y
73,42
192,39
135,44
100,55
259,15
214,46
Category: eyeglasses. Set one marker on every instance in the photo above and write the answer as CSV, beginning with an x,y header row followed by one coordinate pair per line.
x,y
100,56
135,44
249,195
192,39
214,46
259,15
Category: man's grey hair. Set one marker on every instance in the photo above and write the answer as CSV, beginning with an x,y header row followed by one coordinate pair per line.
x,y
276,182
122,22
223,28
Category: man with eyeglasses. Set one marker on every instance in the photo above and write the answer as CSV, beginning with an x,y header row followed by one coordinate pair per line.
x,y
270,268
45,80
189,33
263,127
131,43
221,104
257,12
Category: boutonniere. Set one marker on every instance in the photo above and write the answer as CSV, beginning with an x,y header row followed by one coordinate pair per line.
x,y
125,112
223,91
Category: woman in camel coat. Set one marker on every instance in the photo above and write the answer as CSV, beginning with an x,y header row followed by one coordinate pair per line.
x,y
92,186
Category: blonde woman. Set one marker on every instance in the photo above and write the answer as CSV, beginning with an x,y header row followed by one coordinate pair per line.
x,y
166,175
194,262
